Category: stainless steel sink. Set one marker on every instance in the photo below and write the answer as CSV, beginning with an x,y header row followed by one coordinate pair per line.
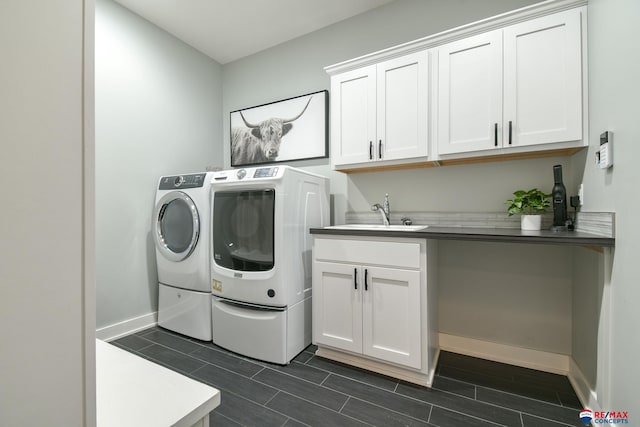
x,y
378,227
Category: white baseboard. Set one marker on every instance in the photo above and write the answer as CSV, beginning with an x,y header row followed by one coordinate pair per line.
x,y
519,356
586,395
112,332
543,361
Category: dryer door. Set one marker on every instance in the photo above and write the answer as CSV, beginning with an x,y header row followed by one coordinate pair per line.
x,y
243,229
177,226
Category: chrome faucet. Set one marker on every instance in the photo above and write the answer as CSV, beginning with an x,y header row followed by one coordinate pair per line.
x,y
384,209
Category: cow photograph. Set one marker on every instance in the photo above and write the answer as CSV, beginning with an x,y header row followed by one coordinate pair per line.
x,y
281,131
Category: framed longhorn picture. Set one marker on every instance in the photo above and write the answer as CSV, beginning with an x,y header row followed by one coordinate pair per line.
x,y
281,131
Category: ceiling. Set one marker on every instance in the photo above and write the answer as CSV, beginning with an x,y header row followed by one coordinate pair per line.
x,y
226,30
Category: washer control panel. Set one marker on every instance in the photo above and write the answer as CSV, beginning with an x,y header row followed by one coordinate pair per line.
x,y
194,180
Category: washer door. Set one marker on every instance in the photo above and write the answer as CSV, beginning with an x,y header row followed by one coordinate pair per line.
x,y
177,226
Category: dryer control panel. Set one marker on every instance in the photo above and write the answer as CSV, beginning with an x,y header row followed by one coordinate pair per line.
x,y
248,174
194,180
265,172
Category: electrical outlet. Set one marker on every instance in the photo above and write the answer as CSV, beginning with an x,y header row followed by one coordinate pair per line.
x,y
581,194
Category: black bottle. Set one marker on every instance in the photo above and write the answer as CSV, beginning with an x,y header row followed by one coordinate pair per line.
x,y
559,197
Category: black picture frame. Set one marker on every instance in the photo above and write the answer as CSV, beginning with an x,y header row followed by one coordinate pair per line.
x,y
281,131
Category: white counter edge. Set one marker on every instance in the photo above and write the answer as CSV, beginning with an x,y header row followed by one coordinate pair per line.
x,y
132,391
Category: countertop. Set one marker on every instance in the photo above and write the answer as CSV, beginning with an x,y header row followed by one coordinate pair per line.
x,y
506,235
132,391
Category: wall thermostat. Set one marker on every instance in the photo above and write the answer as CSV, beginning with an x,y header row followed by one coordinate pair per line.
x,y
604,156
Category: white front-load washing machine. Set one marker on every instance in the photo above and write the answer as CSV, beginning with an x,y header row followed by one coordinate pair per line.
x,y
180,228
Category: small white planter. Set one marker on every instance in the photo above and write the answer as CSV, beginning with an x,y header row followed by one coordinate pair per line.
x,y
530,222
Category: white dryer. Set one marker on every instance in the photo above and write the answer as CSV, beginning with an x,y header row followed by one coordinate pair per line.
x,y
180,226
261,259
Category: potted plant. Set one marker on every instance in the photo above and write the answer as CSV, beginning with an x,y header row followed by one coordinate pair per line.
x,y
531,204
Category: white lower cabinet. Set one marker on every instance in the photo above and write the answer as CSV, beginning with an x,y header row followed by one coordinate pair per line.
x,y
370,301
337,306
391,315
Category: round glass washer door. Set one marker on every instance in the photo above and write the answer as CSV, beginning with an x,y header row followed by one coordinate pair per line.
x,y
177,226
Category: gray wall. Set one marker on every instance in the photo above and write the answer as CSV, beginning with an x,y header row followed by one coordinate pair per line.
x,y
44,334
469,274
296,67
588,285
614,67
158,112
512,294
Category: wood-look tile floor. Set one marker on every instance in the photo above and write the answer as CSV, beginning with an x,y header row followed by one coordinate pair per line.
x,y
313,391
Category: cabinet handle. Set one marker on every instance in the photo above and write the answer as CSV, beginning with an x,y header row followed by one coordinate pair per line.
x,y
495,135
355,278
379,148
370,150
366,285
510,131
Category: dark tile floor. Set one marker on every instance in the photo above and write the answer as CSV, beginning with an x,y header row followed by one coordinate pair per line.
x,y
317,392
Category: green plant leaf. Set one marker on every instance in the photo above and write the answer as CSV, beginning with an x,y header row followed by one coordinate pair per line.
x,y
532,201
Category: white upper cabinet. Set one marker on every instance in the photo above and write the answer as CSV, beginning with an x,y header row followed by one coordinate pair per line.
x,y
353,116
543,79
513,87
470,94
379,112
402,92
510,85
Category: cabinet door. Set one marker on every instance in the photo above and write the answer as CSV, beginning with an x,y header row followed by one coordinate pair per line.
x,y
337,306
543,80
353,116
391,315
470,94
402,107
